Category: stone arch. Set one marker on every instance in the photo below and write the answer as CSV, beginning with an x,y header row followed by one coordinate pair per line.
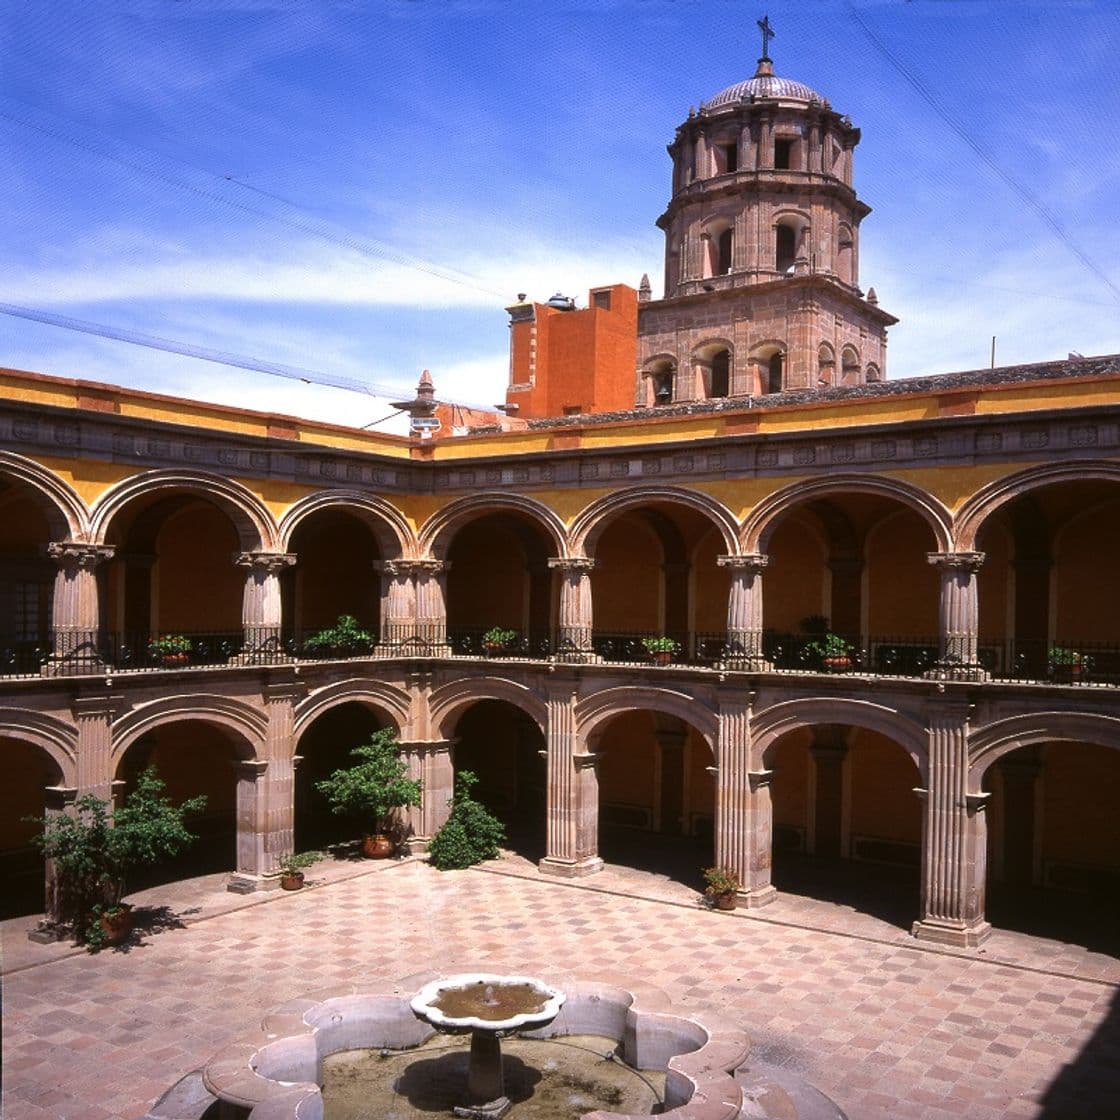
x,y
389,526
247,722
448,701
762,519
256,527
658,374
66,512
437,532
771,724
595,710
591,521
392,701
53,736
988,744
978,508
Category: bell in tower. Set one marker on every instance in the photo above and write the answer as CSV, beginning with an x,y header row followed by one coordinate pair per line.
x,y
761,251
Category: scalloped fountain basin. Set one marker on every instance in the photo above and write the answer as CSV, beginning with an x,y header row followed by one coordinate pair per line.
x,y
488,1006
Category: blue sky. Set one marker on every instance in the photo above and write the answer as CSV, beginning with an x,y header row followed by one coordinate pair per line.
x,y
358,189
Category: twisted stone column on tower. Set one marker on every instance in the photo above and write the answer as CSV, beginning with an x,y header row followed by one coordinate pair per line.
x,y
572,839
959,616
261,612
954,837
575,622
75,607
744,612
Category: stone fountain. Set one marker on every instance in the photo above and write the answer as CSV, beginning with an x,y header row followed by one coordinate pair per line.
x,y
488,1007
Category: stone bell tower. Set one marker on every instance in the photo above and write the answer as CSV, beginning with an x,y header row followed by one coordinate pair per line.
x,y
761,252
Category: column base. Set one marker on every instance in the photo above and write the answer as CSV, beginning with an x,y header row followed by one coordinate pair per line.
x,y
570,868
754,900
577,657
748,664
957,671
945,932
241,882
48,932
70,666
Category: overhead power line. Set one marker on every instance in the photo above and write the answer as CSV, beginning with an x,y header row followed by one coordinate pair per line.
x,y
220,357
931,99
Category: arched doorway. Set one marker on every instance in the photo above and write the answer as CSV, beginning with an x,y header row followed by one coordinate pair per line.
x,y
28,772
504,748
1053,845
324,747
656,795
847,822
191,757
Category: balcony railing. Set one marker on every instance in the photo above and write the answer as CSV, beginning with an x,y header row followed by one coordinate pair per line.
x,y
74,653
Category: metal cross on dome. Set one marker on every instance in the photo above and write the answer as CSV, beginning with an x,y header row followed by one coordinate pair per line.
x,y
767,35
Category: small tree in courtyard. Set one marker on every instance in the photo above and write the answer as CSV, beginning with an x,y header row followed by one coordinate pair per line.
x,y
471,833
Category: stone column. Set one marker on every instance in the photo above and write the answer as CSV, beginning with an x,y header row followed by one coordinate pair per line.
x,y
260,605
253,862
93,717
744,813
744,612
75,608
398,605
954,837
959,616
574,628
52,926
572,844
430,762
431,604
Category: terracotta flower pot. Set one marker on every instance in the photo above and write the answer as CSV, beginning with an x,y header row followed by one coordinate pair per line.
x,y
725,901
172,659
291,881
837,664
116,925
662,657
377,846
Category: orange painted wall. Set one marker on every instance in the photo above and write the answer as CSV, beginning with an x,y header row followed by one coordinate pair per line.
x,y
904,587
199,587
626,579
335,572
627,751
991,582
1080,792
1087,595
487,585
883,779
793,582
711,585
27,772
789,789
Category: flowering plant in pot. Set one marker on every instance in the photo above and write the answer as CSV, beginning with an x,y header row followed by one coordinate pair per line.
x,y
95,847
498,639
1065,663
292,865
661,649
720,887
372,789
171,649
343,639
832,651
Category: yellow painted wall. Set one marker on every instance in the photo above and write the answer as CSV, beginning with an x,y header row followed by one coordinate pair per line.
x,y
199,587
487,585
883,779
1086,588
626,768
904,588
626,579
793,582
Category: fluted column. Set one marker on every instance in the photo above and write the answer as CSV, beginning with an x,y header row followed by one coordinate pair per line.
x,y
398,604
431,603
429,761
959,616
261,615
266,829
744,611
744,813
575,623
75,607
954,837
572,835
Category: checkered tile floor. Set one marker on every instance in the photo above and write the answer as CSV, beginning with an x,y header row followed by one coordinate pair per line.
x,y
1021,1028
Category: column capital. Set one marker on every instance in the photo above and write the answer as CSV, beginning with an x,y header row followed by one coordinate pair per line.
x,y
251,768
748,561
412,566
571,563
759,778
956,561
585,760
80,553
270,563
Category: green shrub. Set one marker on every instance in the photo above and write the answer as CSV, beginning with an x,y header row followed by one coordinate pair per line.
x,y
471,834
375,785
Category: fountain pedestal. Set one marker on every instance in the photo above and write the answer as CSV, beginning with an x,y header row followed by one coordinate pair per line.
x,y
488,1007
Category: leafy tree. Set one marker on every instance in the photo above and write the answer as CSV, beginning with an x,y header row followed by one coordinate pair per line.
x,y
471,833
376,785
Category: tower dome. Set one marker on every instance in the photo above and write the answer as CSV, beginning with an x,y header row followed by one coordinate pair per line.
x,y
765,85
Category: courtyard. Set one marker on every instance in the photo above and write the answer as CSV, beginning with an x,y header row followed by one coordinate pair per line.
x,y
1024,1027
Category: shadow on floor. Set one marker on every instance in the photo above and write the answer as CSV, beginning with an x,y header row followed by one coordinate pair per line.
x,y
1091,921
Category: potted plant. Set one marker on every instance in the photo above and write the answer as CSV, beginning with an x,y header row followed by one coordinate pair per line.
x,y
343,639
497,640
95,847
1066,664
720,887
291,868
371,789
470,834
171,649
832,651
661,650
